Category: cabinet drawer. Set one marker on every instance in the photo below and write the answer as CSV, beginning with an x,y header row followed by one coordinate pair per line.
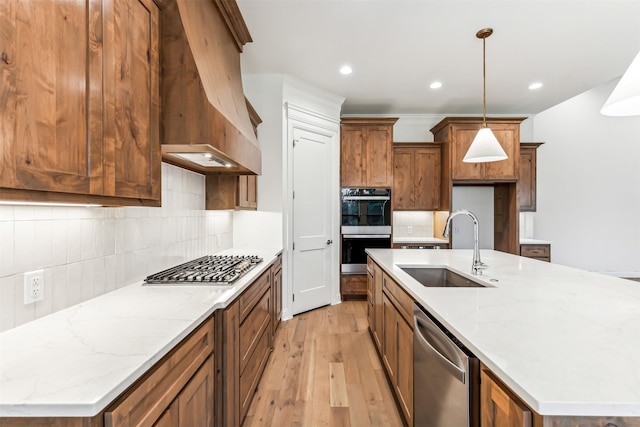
x,y
402,300
252,328
251,296
277,264
251,376
535,251
146,400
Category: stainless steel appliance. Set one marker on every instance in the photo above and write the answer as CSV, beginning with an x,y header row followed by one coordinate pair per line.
x,y
445,377
366,224
207,270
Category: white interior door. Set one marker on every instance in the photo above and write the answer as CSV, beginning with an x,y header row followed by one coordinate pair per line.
x,y
312,264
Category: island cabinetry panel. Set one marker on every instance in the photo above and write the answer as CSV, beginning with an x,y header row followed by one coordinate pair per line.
x,y
353,286
374,286
500,407
183,382
366,152
79,112
416,176
397,354
527,176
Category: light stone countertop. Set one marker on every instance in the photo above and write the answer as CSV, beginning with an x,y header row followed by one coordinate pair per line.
x,y
565,340
534,242
413,239
78,360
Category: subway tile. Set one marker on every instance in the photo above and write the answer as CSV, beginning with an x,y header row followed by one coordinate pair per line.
x,y
58,287
7,249
74,285
59,242
23,312
88,239
110,237
7,303
23,245
87,280
45,306
74,241
6,213
43,246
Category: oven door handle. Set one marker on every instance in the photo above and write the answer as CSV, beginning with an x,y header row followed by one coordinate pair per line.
x,y
366,236
366,198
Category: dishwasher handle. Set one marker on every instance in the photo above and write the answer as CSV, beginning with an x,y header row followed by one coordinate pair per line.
x,y
450,366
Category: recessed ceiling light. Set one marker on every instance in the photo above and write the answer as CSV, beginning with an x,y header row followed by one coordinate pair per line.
x,y
534,86
435,85
345,69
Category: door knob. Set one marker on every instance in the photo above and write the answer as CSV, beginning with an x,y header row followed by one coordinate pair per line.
x,y
329,242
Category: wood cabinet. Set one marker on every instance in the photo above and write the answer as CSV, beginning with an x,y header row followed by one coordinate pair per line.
x,y
245,348
376,324
416,176
353,286
397,343
79,110
499,407
458,133
226,191
178,390
540,252
366,156
276,296
527,176
247,192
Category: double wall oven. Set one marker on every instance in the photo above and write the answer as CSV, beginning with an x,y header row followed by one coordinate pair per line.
x,y
366,223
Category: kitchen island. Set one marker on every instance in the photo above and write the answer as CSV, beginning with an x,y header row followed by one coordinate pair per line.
x,y
75,362
565,341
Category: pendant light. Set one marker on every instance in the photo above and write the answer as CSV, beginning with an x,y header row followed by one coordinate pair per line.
x,y
625,98
485,146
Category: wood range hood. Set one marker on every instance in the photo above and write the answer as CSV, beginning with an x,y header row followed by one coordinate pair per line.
x,y
206,125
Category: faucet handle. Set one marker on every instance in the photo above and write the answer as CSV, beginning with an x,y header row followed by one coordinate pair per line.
x,y
478,267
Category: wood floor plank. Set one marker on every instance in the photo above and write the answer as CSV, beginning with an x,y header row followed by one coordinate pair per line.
x,y
337,386
324,371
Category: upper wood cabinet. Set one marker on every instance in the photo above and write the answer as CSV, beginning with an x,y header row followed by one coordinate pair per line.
x,y
416,176
458,134
79,103
366,152
527,176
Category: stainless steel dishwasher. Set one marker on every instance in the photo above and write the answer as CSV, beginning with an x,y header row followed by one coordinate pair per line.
x,y
445,377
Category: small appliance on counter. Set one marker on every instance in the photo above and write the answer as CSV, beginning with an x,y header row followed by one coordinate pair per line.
x,y
221,270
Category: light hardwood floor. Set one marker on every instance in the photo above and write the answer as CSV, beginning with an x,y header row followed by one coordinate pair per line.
x,y
324,371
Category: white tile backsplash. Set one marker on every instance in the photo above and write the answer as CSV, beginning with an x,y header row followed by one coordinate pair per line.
x,y
412,224
86,252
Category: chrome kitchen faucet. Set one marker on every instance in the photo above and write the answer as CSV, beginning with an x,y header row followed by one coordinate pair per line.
x,y
478,265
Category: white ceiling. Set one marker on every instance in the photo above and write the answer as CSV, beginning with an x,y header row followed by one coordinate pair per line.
x,y
398,47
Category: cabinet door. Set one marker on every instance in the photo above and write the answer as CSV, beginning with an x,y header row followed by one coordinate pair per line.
x,y
426,178
499,408
390,338
247,192
132,99
51,85
352,156
377,306
170,417
509,137
196,399
527,180
404,378
462,137
370,311
403,182
379,164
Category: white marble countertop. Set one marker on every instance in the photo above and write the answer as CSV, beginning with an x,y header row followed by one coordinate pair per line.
x,y
534,242
414,239
566,341
76,361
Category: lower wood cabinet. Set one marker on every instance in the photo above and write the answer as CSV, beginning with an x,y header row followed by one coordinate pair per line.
x,y
178,390
353,286
374,286
276,296
540,252
500,407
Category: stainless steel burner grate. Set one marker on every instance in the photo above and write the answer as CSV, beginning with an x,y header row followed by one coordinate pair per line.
x,y
208,270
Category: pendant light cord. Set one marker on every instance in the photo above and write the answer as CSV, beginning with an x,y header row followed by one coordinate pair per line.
x,y
484,83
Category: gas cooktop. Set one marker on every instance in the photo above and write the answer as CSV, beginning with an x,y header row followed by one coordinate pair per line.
x,y
208,270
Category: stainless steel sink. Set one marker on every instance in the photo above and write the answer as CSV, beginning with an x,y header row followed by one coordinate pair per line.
x,y
435,277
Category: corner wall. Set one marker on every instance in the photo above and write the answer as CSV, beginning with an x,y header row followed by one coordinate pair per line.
x,y
588,196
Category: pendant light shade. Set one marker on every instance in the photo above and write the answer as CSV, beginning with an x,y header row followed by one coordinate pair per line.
x,y
485,146
625,98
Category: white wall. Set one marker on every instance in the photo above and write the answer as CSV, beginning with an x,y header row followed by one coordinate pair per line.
x,y
588,197
86,252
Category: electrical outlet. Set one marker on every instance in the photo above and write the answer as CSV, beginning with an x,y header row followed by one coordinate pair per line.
x,y
33,286
409,229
